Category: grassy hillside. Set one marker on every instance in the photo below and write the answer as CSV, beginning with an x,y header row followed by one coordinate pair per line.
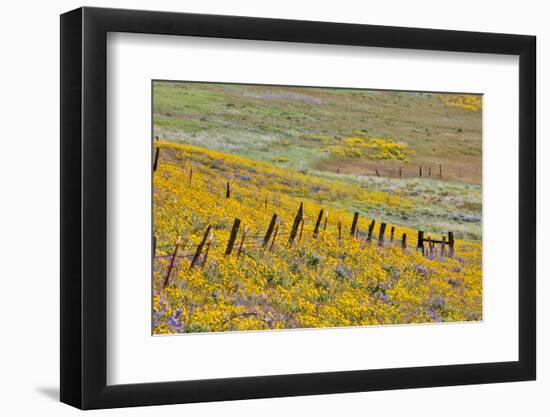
x,y
321,129
345,136
318,281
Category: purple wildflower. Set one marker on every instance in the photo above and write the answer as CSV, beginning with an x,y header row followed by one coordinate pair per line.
x,y
420,269
342,271
454,282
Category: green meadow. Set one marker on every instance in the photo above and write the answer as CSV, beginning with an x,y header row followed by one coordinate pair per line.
x,y
378,140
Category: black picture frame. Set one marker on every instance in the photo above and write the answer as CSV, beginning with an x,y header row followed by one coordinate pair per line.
x,y
84,207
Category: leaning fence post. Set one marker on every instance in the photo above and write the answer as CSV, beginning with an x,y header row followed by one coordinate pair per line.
x,y
269,230
420,244
391,233
381,234
371,229
156,159
404,241
199,248
326,219
232,237
297,219
377,172
242,242
354,223
172,261
318,223
301,229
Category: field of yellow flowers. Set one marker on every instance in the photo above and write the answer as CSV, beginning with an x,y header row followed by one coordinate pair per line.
x,y
320,281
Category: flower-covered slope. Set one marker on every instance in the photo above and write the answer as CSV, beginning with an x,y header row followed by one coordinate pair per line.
x,y
322,281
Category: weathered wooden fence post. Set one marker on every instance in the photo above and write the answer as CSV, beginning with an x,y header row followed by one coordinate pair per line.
x,y
326,220
430,245
420,244
297,219
354,223
400,173
451,244
269,230
232,237
172,261
377,172
242,242
228,190
318,223
156,159
371,229
190,175
420,171
199,248
339,229
381,234
391,233
443,242
207,250
440,171
404,241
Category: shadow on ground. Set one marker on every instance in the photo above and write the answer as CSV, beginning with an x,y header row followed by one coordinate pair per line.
x,y
50,392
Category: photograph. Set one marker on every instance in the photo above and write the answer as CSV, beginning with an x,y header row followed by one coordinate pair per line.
x,y
290,207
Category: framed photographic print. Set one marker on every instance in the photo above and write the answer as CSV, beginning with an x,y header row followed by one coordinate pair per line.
x,y
257,208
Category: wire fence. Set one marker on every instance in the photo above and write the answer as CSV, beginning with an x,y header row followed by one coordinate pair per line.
x,y
242,243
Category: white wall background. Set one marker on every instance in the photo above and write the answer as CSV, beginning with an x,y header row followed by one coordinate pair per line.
x,y
29,232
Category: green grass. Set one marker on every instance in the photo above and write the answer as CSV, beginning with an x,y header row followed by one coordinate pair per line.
x,y
292,127
439,206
